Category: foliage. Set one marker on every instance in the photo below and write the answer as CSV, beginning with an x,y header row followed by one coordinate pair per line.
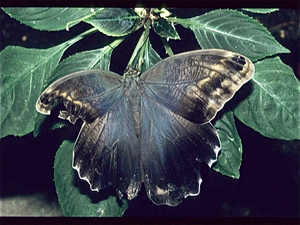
x,y
269,104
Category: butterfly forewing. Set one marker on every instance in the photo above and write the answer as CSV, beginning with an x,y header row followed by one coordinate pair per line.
x,y
197,84
85,94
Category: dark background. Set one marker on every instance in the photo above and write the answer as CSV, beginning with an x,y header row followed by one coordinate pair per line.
x,y
269,182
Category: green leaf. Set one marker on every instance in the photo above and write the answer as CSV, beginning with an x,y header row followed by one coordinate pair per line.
x,y
230,157
94,59
259,10
23,72
72,199
23,75
87,60
51,19
165,29
115,21
273,107
234,31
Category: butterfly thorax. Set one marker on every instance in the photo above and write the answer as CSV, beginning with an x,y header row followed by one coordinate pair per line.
x,y
133,87
133,90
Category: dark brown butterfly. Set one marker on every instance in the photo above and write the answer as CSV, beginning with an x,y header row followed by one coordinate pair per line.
x,y
154,128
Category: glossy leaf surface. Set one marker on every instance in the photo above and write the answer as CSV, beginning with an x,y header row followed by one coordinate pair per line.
x,y
274,101
23,72
115,21
234,31
52,19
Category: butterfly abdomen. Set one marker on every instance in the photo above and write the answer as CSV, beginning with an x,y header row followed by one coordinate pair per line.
x,y
133,90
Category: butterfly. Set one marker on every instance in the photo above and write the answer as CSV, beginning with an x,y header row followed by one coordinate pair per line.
x,y
153,128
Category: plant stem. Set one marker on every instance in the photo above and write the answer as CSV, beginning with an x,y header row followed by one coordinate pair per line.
x,y
146,38
167,47
141,45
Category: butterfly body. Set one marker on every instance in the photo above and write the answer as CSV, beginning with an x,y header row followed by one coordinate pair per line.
x,y
154,128
133,92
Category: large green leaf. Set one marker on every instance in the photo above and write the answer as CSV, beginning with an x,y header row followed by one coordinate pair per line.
x,y
23,72
115,21
273,107
234,31
230,157
72,199
87,60
23,75
94,59
51,19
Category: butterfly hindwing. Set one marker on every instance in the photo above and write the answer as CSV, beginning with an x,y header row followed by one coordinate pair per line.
x,y
172,150
106,152
197,84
